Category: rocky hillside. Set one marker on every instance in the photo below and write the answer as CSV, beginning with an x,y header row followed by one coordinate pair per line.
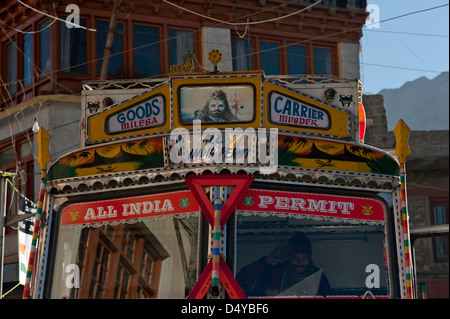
x,y
423,104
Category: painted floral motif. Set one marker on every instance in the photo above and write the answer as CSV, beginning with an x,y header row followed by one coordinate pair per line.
x,y
120,157
215,56
319,154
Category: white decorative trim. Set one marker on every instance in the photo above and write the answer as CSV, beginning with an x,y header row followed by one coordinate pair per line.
x,y
131,221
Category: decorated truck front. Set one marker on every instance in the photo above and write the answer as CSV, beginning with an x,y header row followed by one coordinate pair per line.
x,y
222,185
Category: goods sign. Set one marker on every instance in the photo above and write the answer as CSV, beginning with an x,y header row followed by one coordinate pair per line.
x,y
143,114
148,113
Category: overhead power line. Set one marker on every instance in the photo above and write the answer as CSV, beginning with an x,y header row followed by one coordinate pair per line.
x,y
56,18
29,32
243,23
256,52
409,33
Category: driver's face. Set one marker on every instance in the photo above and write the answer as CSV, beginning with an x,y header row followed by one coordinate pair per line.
x,y
216,107
299,262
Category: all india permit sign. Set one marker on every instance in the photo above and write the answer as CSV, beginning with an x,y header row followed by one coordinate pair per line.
x,y
257,200
360,208
172,203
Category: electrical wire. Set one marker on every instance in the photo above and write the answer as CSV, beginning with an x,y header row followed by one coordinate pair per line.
x,y
410,50
3,296
243,23
261,51
29,32
233,24
409,33
24,131
146,45
401,68
56,18
349,30
35,68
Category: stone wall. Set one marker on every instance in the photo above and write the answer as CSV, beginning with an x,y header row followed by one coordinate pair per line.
x,y
427,176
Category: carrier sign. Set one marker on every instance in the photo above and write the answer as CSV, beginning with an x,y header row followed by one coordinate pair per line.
x,y
288,111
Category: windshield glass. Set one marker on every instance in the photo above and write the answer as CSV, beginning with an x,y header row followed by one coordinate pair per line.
x,y
151,259
134,247
307,255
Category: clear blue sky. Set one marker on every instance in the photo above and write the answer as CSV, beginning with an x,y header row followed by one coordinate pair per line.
x,y
407,48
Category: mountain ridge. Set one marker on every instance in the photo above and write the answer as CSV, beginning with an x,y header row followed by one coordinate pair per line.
x,y
422,103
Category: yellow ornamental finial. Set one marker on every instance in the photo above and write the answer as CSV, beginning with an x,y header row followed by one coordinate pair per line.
x,y
43,139
215,56
401,133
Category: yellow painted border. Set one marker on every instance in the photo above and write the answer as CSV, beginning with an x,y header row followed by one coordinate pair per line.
x,y
96,123
255,81
339,120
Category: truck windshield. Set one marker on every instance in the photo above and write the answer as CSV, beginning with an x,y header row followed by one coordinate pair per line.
x,y
294,255
151,258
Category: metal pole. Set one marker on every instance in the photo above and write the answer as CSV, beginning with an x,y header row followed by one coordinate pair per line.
x,y
402,150
3,190
109,41
26,289
43,139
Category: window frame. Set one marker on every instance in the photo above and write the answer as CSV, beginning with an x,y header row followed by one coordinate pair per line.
x,y
179,59
279,54
248,58
10,49
332,58
256,58
119,262
435,202
27,61
27,164
305,57
156,251
39,43
100,50
133,70
84,64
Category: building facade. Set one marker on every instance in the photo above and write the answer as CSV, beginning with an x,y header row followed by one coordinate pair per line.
x,y
427,181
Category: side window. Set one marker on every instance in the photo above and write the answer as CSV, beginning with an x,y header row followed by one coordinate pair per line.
x,y
439,216
296,59
10,155
73,46
44,48
323,62
10,66
146,53
115,68
242,59
179,43
27,70
270,61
